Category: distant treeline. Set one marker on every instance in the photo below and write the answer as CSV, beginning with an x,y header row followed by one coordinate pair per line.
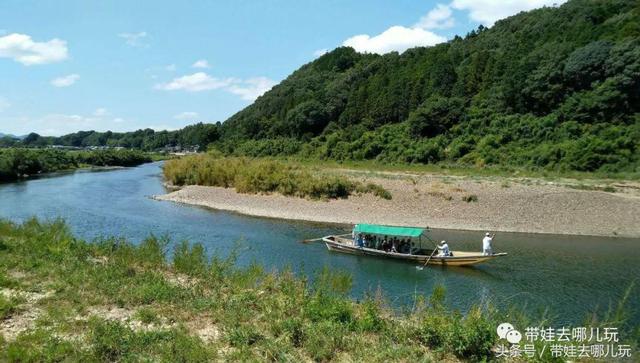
x,y
16,163
557,88
198,135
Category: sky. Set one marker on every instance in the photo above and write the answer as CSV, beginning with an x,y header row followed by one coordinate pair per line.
x,y
116,65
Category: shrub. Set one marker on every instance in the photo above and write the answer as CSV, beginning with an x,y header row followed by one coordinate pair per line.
x,y
263,176
470,198
8,306
111,341
191,260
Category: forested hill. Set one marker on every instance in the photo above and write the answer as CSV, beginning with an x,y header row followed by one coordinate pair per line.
x,y
555,88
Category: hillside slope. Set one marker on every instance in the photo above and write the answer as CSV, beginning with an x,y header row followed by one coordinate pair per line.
x,y
555,88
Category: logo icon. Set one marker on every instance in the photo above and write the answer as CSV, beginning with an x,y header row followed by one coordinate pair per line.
x,y
508,332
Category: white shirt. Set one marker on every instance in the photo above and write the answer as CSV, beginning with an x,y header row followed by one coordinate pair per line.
x,y
444,250
486,243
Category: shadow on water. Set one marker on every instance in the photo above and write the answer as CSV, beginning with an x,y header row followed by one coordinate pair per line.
x,y
570,275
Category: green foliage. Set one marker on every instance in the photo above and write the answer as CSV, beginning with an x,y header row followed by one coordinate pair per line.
x,y
553,89
191,260
502,96
148,316
262,176
42,346
16,163
255,315
193,136
8,306
113,157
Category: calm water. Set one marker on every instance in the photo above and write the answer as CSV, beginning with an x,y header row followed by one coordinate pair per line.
x,y
570,276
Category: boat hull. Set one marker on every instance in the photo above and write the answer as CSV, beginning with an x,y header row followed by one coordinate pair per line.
x,y
459,258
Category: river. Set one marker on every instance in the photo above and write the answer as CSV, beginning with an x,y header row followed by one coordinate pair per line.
x,y
567,276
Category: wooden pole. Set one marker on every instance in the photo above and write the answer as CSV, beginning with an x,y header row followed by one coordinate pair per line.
x,y
428,259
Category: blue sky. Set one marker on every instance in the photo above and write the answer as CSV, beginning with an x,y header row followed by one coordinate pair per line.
x,y
123,65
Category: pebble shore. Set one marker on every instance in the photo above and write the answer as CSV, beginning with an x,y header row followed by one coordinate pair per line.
x,y
506,205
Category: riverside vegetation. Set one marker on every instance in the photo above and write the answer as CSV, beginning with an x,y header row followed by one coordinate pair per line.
x,y
16,163
552,89
263,176
63,299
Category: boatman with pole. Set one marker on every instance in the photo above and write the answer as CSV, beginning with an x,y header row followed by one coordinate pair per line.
x,y
486,244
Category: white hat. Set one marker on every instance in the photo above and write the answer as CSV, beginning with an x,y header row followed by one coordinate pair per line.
x,y
487,234
443,241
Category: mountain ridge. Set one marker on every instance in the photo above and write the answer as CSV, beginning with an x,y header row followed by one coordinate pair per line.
x,y
554,88
565,73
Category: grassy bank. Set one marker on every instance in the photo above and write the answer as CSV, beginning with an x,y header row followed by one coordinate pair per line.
x,y
63,299
17,163
263,176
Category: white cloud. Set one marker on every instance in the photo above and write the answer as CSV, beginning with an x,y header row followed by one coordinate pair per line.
x,y
201,63
134,39
320,52
55,124
99,112
162,127
58,124
488,12
194,83
397,38
248,89
187,115
252,88
65,81
437,18
4,104
21,48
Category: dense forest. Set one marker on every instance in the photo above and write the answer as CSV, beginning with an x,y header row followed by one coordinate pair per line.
x,y
554,88
16,163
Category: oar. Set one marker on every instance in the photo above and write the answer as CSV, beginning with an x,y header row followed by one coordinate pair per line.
x,y
428,259
311,240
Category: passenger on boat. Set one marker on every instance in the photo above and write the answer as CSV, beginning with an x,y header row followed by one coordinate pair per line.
x,y
404,246
486,244
394,245
443,249
383,243
359,240
374,242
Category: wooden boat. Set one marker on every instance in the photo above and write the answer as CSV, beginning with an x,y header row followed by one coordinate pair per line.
x,y
418,255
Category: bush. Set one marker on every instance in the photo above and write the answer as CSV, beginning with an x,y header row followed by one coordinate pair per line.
x,y
191,260
262,176
470,198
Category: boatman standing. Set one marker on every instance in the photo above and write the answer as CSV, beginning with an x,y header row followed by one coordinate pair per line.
x,y
486,244
443,249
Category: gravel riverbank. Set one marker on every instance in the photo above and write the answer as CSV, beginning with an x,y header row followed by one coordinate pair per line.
x,y
492,204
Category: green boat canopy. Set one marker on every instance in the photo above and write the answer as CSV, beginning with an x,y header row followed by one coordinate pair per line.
x,y
389,230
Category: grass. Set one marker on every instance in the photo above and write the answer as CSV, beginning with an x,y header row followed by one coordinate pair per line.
x,y
254,176
8,306
454,169
608,188
114,301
